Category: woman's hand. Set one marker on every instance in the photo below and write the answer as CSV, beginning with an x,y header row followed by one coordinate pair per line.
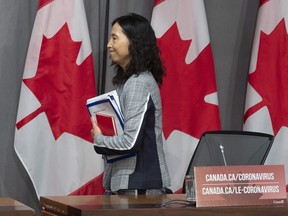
x,y
95,129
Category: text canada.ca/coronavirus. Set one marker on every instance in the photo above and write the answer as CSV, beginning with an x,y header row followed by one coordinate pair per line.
x,y
239,177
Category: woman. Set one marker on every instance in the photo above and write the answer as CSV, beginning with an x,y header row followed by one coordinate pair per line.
x,y
140,167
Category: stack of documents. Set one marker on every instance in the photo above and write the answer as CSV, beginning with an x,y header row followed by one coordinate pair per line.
x,y
106,109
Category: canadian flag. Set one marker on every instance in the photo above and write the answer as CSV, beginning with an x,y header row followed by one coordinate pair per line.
x,y
266,108
189,95
52,134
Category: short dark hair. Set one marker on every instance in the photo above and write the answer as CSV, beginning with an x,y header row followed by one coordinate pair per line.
x,y
143,49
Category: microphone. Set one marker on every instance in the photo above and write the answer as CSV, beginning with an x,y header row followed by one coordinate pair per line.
x,y
223,154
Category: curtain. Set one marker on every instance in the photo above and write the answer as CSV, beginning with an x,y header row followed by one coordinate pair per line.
x,y
16,23
231,25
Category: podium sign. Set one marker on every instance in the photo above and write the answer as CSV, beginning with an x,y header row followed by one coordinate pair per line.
x,y
240,185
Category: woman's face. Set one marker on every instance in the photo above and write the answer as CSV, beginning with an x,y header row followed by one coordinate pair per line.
x,y
118,46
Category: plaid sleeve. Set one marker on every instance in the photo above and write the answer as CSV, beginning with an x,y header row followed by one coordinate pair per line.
x,y
134,101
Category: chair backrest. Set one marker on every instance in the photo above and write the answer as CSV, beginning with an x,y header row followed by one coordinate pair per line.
x,y
218,148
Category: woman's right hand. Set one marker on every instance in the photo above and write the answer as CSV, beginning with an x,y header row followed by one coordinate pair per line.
x,y
95,129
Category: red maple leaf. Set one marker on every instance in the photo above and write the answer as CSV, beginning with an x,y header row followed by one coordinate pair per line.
x,y
42,3
156,2
262,2
62,87
271,75
185,87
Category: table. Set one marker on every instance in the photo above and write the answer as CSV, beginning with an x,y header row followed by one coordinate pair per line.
x,y
143,205
11,207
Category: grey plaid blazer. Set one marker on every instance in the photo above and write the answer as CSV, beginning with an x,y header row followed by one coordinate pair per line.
x,y
143,164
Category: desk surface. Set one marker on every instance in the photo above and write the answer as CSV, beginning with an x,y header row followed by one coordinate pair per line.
x,y
9,206
143,205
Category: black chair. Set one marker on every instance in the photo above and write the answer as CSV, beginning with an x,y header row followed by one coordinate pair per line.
x,y
220,148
